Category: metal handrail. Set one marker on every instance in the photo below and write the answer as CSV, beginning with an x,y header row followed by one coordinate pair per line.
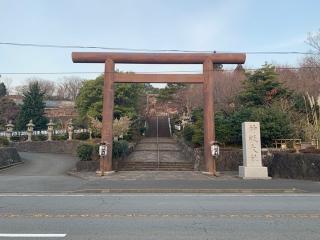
x,y
158,142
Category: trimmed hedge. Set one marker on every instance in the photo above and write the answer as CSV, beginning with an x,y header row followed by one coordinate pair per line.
x,y
120,148
60,137
82,136
84,152
39,138
89,152
19,138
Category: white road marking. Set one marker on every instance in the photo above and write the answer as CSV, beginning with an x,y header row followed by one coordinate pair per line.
x,y
28,235
164,195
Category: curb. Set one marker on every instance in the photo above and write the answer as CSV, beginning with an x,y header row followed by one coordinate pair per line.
x,y
162,190
10,166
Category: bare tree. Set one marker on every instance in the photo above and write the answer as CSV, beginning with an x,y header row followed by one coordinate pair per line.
x,y
69,88
47,86
227,85
314,40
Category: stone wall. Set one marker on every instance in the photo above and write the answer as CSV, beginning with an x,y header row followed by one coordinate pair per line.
x,y
95,164
192,154
68,147
280,164
9,156
295,165
88,166
229,159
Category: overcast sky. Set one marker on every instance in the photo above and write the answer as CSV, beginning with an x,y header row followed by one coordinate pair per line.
x,y
239,25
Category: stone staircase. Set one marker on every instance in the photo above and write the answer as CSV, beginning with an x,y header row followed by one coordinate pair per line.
x,y
163,127
146,153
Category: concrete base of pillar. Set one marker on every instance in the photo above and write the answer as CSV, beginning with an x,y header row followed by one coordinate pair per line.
x,y
104,173
253,172
216,174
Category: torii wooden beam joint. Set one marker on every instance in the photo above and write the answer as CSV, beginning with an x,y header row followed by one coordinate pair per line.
x,y
207,79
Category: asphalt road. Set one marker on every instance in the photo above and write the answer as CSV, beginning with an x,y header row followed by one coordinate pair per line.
x,y
43,172
164,216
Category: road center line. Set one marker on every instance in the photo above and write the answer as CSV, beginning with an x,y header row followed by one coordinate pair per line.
x,y
162,195
32,235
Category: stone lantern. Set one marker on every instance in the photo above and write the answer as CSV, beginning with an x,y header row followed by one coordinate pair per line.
x,y
70,129
90,133
9,130
50,130
30,127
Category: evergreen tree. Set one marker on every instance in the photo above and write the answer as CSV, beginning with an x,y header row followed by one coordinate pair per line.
x,y
3,90
126,99
167,93
32,108
8,111
261,88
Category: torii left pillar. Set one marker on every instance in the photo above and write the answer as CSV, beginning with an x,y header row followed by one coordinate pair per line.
x,y
107,117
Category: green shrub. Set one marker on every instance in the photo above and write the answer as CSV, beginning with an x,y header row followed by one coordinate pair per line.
x,y
187,133
19,138
82,136
4,142
95,153
60,137
274,124
84,152
96,134
119,148
39,137
198,136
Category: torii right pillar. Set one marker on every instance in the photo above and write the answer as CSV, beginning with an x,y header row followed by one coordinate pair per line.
x,y
208,115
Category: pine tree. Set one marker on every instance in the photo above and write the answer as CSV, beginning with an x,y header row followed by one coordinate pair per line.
x,y
261,88
32,108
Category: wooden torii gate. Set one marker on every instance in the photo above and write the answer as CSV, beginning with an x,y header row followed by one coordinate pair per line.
x,y
206,78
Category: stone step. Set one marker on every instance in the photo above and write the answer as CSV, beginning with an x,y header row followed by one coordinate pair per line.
x,y
156,169
145,156
160,140
162,124
155,150
152,156
156,163
154,147
153,166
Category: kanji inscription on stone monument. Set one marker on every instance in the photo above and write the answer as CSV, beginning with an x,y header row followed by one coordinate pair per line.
x,y
251,144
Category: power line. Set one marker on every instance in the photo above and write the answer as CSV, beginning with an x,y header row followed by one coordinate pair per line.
x,y
47,73
94,47
150,50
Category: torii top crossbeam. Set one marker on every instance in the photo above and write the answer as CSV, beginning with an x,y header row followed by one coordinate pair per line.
x,y
158,58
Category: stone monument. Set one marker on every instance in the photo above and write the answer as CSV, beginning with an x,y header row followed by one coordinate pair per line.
x,y
251,144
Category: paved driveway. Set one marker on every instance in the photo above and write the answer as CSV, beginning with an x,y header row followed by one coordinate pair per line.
x,y
42,164
40,172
